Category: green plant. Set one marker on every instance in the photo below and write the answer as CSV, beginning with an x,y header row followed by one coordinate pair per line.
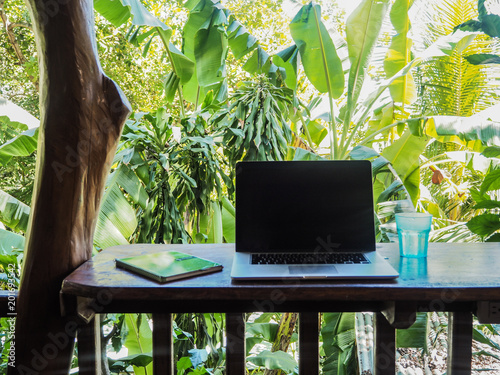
x,y
487,223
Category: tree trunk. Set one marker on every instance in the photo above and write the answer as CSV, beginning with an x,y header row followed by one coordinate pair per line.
x,y
82,114
283,338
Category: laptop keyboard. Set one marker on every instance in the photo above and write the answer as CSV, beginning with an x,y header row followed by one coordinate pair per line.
x,y
308,258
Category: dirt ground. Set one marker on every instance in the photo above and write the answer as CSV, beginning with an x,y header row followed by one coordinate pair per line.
x,y
412,362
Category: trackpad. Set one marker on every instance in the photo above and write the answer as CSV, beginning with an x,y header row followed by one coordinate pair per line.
x,y
312,270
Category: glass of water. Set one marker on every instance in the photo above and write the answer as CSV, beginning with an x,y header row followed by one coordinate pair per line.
x,y
413,233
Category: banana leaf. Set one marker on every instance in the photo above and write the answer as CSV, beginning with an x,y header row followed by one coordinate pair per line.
x,y
11,113
116,221
120,11
205,45
274,361
362,30
287,59
129,181
9,241
139,340
241,42
22,145
403,90
404,155
13,213
317,51
339,343
228,220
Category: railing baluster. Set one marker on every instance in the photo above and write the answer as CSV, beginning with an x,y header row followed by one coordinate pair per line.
x,y
163,350
235,348
308,343
385,347
459,343
89,347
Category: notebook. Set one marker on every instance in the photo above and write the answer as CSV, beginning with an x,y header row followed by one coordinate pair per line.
x,y
167,266
306,219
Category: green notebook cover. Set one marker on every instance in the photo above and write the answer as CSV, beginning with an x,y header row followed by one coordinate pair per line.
x,y
168,265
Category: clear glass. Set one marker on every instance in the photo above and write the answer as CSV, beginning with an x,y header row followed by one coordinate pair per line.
x,y
413,233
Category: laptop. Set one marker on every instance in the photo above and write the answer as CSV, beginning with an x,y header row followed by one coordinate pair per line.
x,y
306,220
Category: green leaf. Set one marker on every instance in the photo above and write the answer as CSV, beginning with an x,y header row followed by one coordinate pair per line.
x,y
491,181
267,331
129,181
363,153
13,213
491,152
216,229
471,25
404,156
487,204
483,58
484,224
391,190
228,220
9,241
183,364
444,46
317,131
116,221
415,336
198,356
403,90
493,238
287,59
141,360
139,339
483,339
317,51
338,333
241,42
210,54
490,25
257,62
22,145
171,86
362,30
183,67
12,114
209,48
119,11
474,132
274,360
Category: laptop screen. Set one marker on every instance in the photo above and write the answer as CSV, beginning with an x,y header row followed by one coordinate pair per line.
x,y
305,206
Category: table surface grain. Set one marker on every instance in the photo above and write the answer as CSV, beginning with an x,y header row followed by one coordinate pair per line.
x,y
452,271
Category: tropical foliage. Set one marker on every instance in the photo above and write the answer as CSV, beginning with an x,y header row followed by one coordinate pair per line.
x,y
210,87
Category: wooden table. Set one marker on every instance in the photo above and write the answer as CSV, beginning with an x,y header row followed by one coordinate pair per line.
x,y
454,278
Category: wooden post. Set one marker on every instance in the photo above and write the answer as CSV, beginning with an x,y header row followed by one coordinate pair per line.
x,y
459,343
309,343
385,346
82,115
235,347
89,348
163,344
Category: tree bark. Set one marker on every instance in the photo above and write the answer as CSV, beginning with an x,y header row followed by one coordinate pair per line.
x,y
82,115
283,338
